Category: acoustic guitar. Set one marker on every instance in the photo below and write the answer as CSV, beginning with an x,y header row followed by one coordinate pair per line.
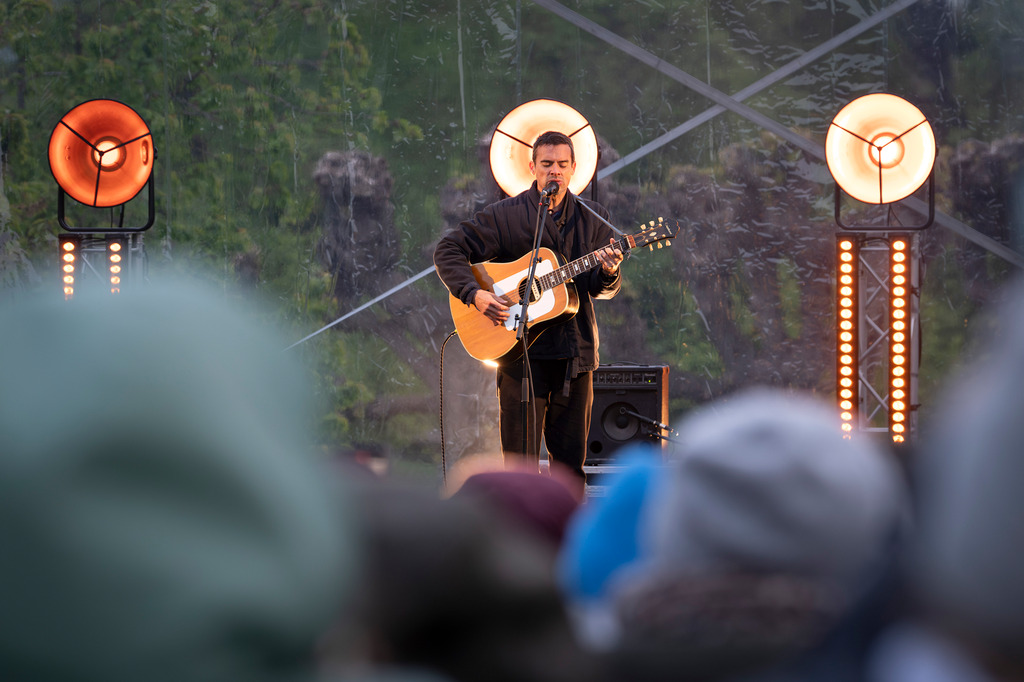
x,y
553,297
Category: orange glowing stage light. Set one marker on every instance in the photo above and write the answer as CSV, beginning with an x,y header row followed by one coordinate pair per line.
x,y
101,155
511,147
880,149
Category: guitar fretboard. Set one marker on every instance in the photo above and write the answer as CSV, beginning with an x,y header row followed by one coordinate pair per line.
x,y
580,265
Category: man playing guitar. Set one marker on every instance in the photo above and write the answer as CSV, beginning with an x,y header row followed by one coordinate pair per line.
x,y
563,356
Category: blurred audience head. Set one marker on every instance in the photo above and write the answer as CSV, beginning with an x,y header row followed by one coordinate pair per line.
x,y
760,529
532,502
601,537
456,588
764,481
162,517
967,563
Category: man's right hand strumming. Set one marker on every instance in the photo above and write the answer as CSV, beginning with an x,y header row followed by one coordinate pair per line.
x,y
493,307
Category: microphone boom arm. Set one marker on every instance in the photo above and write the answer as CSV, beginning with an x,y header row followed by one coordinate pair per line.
x,y
646,420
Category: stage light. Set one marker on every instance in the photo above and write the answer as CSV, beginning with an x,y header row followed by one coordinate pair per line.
x,y
101,154
899,339
511,148
847,341
70,247
880,148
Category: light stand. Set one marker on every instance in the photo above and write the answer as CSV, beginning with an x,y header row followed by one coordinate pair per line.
x,y
101,154
880,149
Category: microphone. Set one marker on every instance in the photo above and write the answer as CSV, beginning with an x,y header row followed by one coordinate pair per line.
x,y
552,188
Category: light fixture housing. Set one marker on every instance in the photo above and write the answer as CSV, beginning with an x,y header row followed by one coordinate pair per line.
x,y
101,154
511,148
880,149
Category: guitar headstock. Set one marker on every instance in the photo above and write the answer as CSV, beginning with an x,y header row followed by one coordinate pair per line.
x,y
660,232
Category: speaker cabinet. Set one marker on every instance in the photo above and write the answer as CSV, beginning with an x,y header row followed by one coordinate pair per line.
x,y
630,404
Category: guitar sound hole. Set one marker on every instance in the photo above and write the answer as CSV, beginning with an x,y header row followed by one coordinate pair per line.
x,y
534,292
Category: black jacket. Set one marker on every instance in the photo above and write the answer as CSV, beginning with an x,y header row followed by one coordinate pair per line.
x,y
503,232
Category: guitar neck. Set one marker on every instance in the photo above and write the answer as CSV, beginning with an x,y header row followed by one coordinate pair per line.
x,y
580,265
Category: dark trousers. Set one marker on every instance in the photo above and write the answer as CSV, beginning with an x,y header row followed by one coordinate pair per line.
x,y
564,420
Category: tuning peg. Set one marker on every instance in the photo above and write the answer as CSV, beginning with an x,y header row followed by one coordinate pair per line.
x,y
660,245
668,242
651,247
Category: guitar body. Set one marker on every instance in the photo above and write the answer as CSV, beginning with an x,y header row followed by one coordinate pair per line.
x,y
484,340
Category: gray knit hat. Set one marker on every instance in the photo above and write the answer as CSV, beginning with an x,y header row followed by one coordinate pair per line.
x,y
764,482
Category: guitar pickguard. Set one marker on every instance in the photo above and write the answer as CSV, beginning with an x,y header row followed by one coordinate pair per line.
x,y
510,286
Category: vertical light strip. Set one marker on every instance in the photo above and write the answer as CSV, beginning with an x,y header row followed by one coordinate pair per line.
x,y
899,338
70,256
116,252
847,341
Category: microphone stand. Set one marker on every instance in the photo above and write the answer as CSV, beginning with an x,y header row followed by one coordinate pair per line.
x,y
646,420
522,333
652,423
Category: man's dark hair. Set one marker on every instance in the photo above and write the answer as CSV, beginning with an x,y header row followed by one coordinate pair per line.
x,y
552,138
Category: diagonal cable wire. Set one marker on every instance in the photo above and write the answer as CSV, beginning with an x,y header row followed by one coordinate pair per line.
x,y
366,305
776,76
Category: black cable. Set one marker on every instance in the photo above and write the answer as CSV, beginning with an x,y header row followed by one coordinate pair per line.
x,y
440,404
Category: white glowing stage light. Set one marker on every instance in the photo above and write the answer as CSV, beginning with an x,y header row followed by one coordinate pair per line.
x,y
880,148
511,147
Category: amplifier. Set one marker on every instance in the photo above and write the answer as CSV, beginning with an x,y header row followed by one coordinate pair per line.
x,y
630,404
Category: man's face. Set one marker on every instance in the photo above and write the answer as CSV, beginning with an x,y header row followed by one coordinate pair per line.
x,y
554,162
